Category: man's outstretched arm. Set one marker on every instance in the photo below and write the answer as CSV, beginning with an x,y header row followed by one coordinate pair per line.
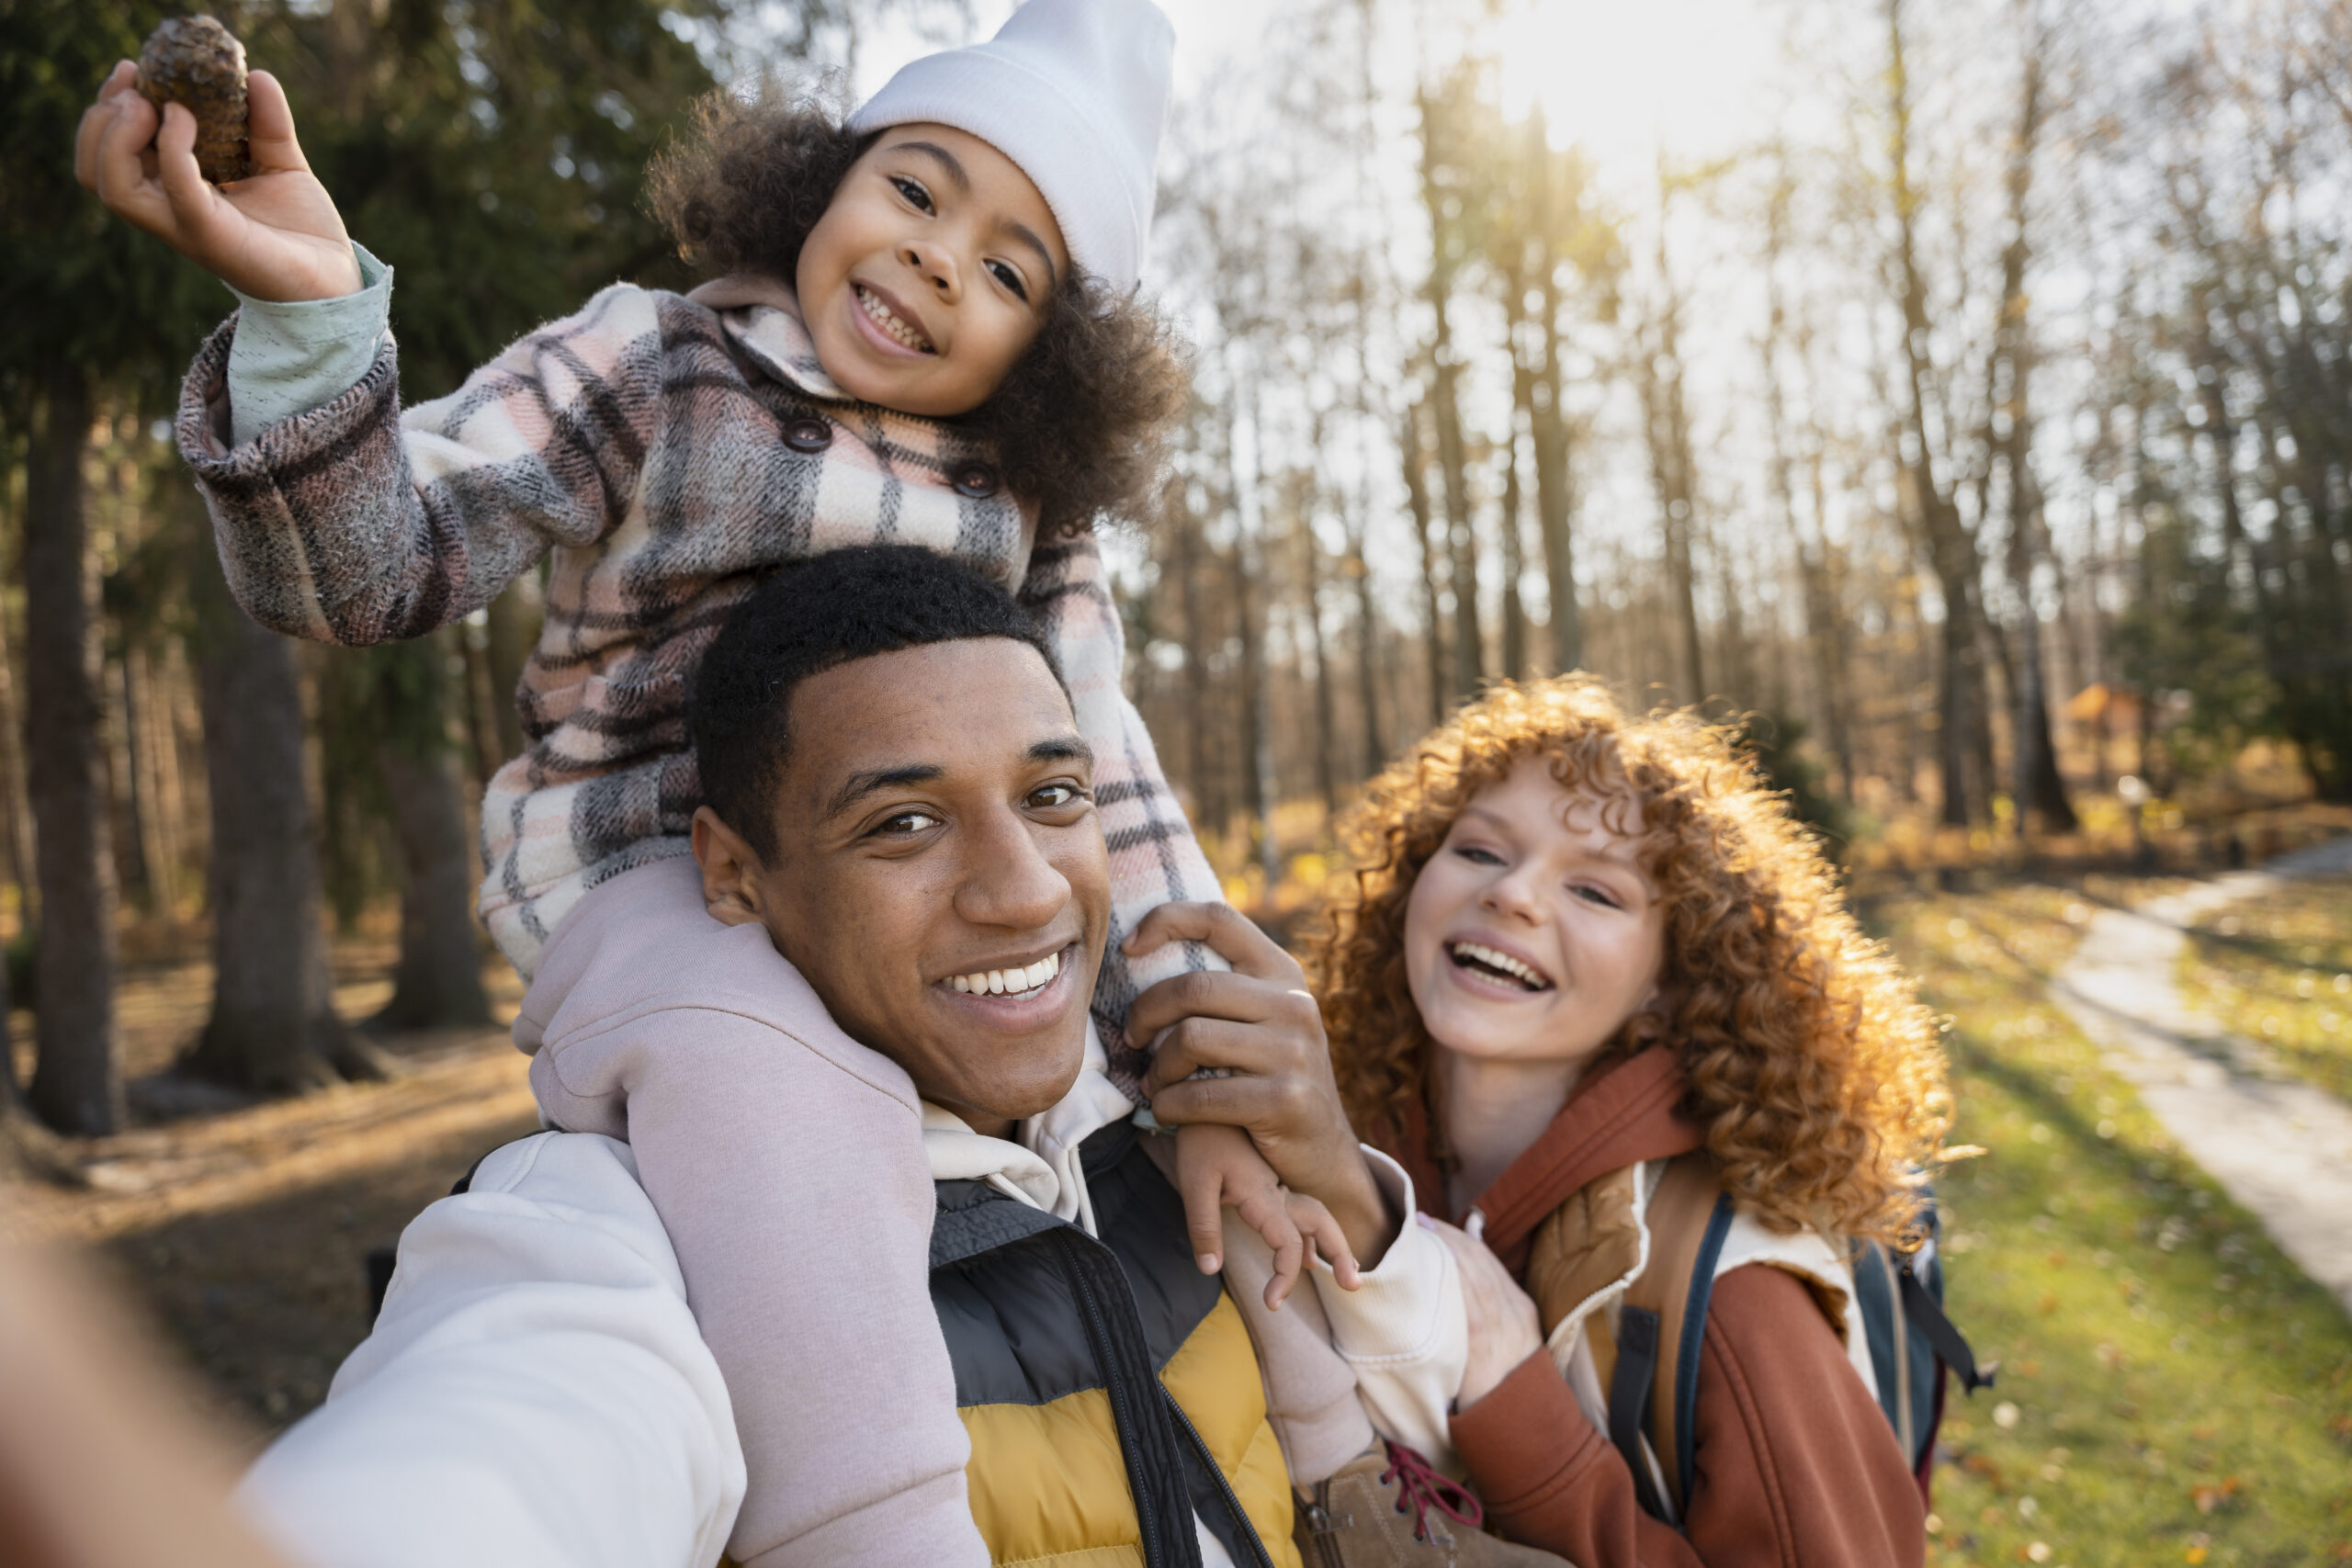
x,y
535,1392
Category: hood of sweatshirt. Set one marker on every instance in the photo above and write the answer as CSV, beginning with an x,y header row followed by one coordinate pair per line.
x,y
1624,1115
1041,1168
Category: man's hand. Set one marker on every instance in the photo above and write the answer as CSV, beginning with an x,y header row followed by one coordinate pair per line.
x,y
1505,1328
1258,1023
273,235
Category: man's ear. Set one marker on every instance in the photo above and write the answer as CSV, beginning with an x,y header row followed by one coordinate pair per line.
x,y
731,871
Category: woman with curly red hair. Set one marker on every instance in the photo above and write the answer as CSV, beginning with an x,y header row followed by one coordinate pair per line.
x,y
1578,952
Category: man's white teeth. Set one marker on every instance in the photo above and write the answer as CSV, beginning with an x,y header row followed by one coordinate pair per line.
x,y
887,320
1503,962
1009,982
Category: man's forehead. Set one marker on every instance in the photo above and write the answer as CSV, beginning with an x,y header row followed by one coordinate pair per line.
x,y
920,715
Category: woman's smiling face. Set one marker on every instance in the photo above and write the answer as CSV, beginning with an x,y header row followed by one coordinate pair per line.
x,y
1532,933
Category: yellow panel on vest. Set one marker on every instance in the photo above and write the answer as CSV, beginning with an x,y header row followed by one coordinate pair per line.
x,y
1047,1481
1047,1484
1214,1375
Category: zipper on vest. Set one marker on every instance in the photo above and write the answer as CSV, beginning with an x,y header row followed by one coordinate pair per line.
x,y
1224,1487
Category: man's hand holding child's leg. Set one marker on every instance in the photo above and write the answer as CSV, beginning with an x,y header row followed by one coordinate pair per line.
x,y
1219,1168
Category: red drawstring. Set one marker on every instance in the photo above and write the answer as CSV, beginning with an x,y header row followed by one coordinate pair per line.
x,y
1427,1489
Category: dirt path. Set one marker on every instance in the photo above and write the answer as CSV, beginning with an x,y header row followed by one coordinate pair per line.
x,y
2281,1147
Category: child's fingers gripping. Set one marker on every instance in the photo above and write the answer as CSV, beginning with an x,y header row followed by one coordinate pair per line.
x,y
1324,1234
1261,1208
194,201
118,163
1201,1183
97,119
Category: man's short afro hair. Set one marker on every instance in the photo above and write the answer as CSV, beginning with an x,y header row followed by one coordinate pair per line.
x,y
808,617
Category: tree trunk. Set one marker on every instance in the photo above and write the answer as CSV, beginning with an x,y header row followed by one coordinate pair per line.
x,y
1945,538
273,1028
511,629
438,982
1209,802
1469,663
1325,741
1417,497
18,830
1249,561
1547,429
1469,658
1375,743
1515,564
1663,406
2038,789
77,1076
1827,632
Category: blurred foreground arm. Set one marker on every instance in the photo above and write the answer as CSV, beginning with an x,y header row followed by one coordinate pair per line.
x,y
102,1465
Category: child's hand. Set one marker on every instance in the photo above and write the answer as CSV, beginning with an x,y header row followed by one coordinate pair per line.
x,y
1218,1167
273,235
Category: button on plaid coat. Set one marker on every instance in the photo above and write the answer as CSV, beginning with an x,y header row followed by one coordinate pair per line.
x,y
658,451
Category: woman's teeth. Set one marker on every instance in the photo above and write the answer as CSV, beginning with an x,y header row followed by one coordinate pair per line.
x,y
887,320
1009,982
1503,963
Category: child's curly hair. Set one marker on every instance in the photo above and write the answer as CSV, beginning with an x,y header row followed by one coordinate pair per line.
x,y
1815,1072
1079,425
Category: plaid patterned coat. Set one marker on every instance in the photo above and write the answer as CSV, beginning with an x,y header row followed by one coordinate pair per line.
x,y
658,451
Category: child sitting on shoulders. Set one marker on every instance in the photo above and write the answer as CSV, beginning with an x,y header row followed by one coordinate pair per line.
x,y
928,332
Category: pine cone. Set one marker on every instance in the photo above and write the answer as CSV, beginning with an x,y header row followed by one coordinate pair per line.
x,y
196,62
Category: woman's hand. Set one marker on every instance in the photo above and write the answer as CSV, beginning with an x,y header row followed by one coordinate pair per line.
x,y
273,235
1259,1024
1504,1327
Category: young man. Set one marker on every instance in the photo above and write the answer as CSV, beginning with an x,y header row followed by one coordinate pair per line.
x,y
899,803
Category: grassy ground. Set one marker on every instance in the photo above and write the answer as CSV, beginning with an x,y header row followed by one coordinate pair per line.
x,y
2171,1389
2277,970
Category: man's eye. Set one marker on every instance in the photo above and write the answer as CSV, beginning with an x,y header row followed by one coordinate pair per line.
x,y
906,823
1053,796
914,193
1010,278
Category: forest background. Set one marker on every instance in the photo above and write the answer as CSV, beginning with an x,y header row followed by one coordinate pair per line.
x,y
1957,397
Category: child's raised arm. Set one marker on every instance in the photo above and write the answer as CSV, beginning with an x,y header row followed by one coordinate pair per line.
x,y
273,235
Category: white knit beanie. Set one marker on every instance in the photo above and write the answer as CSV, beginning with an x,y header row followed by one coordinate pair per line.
x,y
1074,92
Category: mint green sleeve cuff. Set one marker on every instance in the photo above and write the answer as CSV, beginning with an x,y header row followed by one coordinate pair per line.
x,y
291,356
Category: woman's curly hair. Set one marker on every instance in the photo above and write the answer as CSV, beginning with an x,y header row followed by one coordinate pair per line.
x,y
1815,1072
1079,425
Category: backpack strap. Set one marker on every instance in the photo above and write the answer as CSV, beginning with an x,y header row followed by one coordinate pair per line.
x,y
1662,1326
1923,1309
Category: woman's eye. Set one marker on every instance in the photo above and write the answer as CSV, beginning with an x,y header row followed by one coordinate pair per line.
x,y
906,823
1054,795
1593,895
914,193
1010,278
1478,856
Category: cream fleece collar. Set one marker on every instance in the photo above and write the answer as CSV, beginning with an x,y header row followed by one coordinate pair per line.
x,y
1043,1169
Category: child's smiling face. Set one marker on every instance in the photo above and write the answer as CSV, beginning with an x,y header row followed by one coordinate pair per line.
x,y
930,272
1532,933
